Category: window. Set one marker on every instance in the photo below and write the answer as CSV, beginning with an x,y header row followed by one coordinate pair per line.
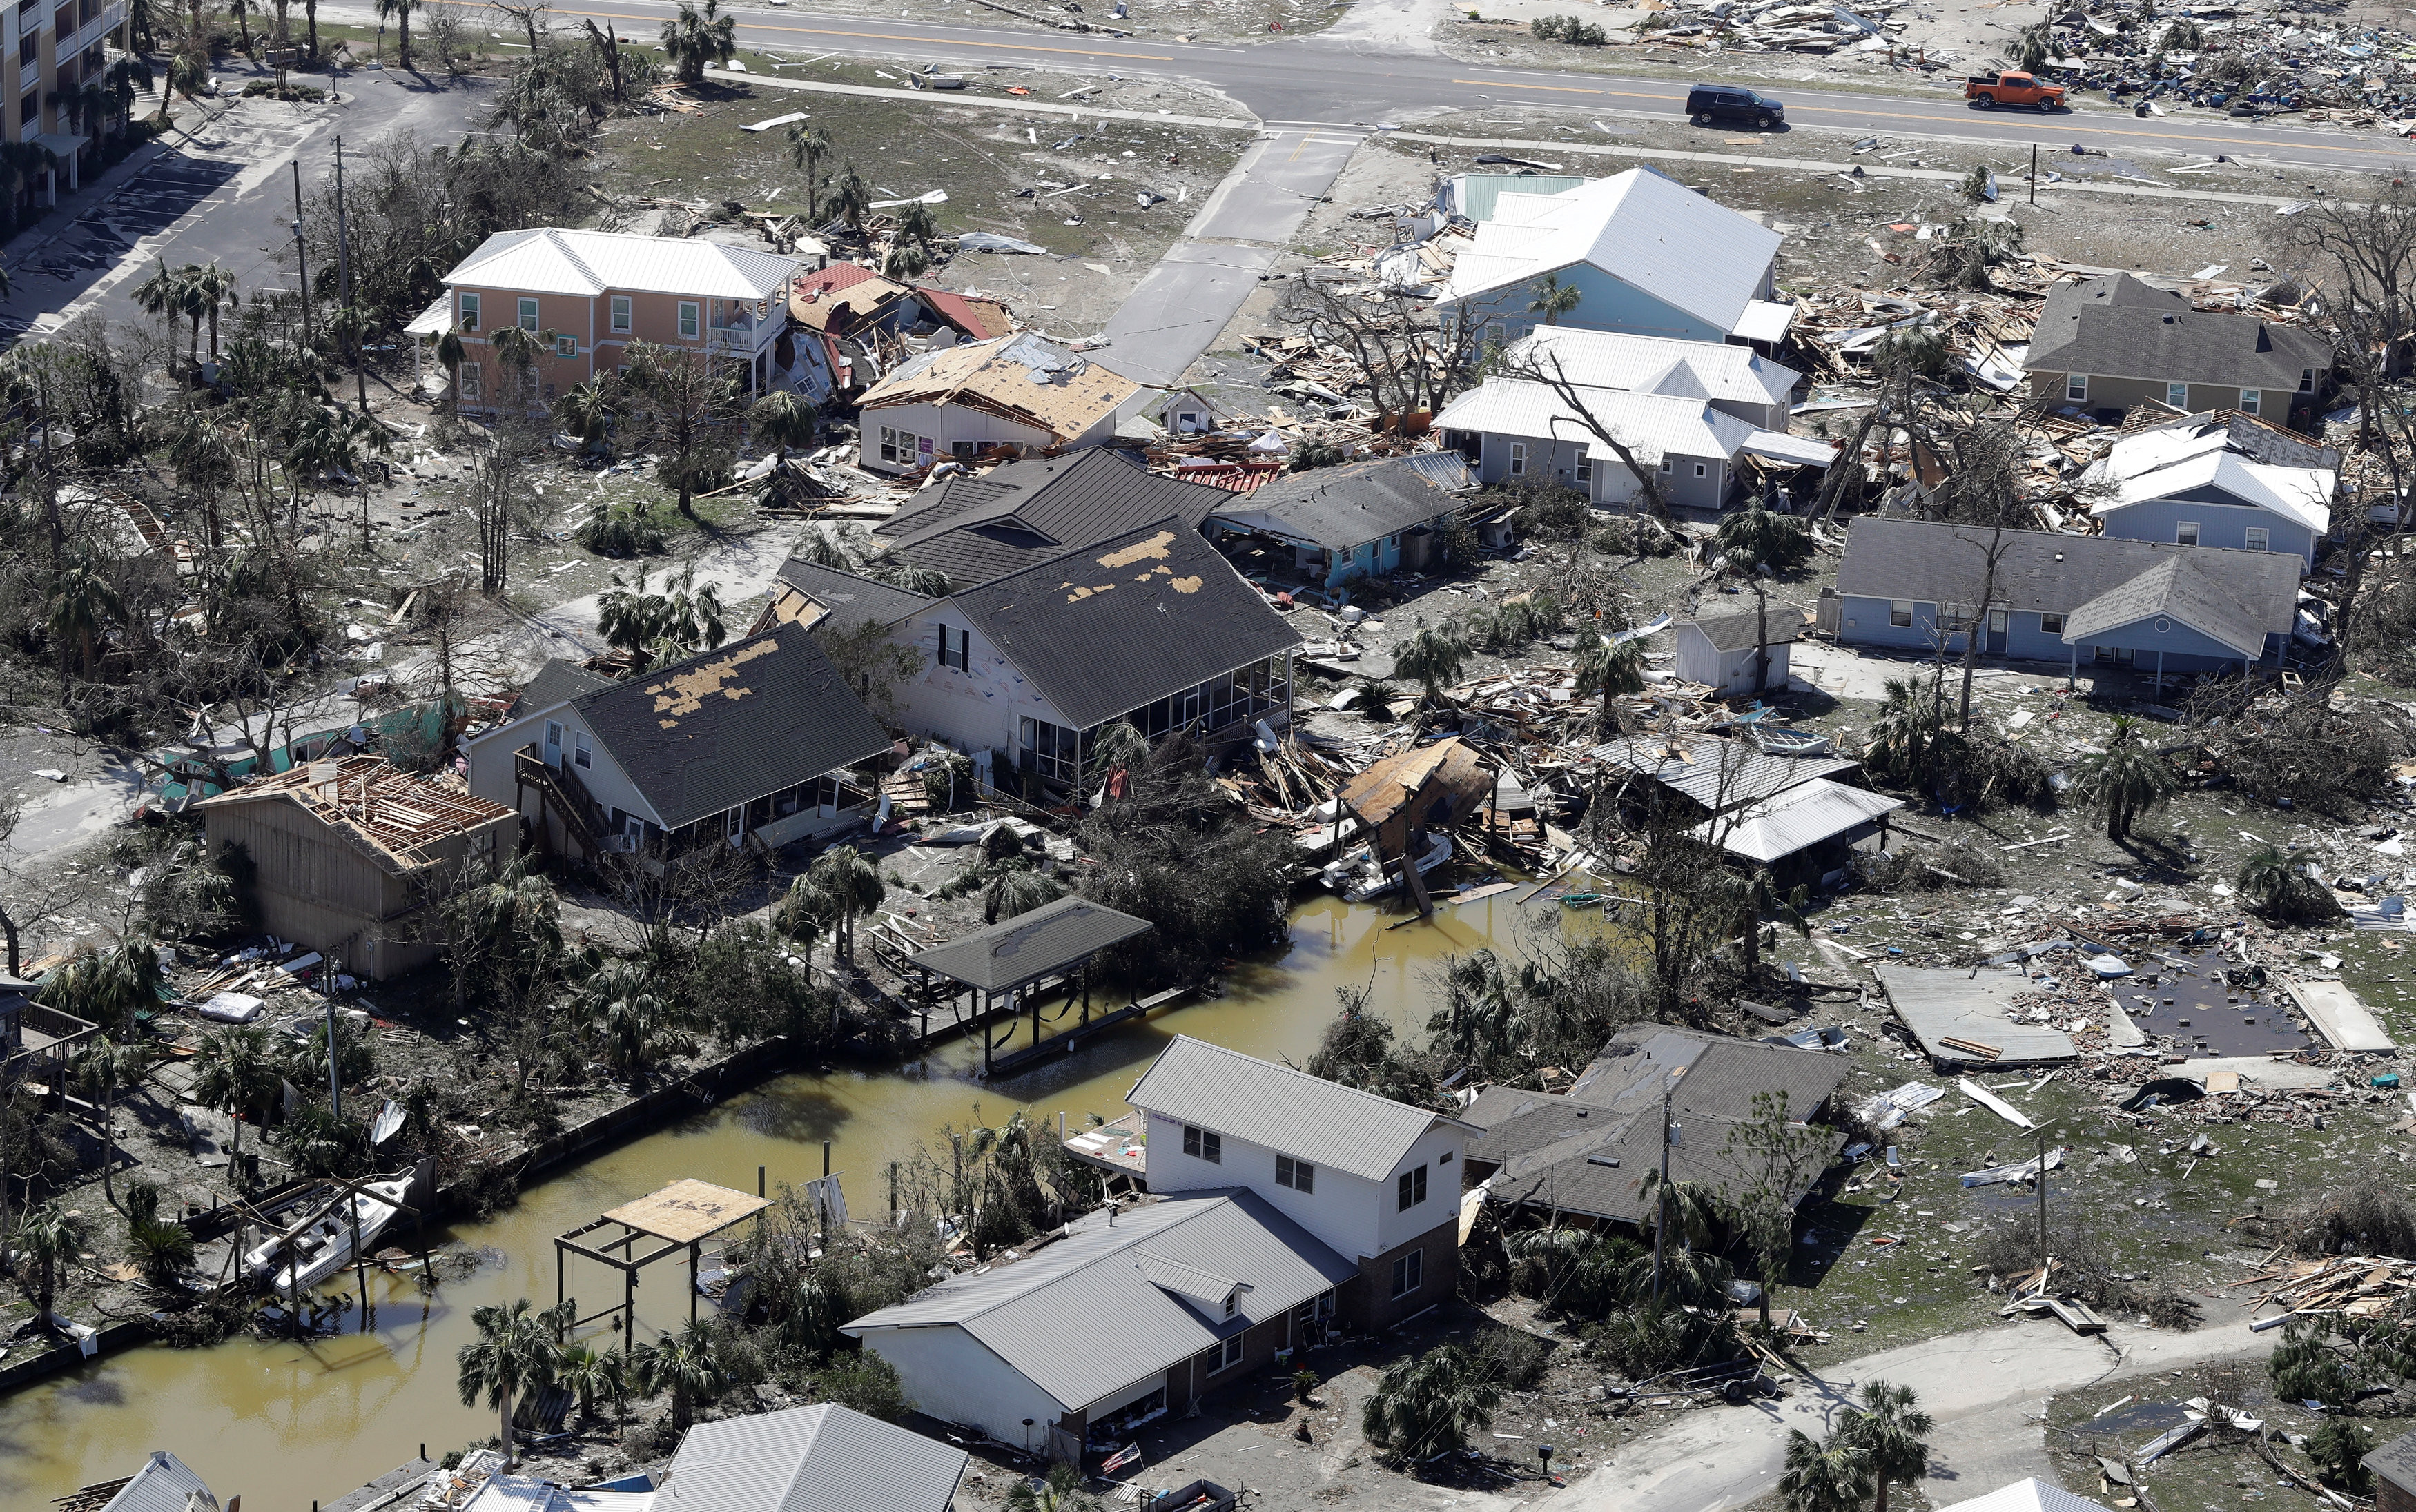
x,y
1702,470
2258,538
2252,401
2306,380
2051,625
1585,468
1203,1144
1518,458
565,346
2186,532
1222,1357
2076,387
29,51
1667,467
964,448
1231,1301
2112,653
620,312
955,647
1996,620
554,743
889,444
2177,395
469,313
1300,1176
1955,619
469,382
581,752
1413,1188
688,320
1409,1272
1051,750
1900,613
528,314
63,22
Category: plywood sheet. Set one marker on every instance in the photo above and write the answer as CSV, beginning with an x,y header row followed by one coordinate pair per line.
x,y
688,1210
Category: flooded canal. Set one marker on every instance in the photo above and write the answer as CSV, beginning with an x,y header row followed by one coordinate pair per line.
x,y
284,1424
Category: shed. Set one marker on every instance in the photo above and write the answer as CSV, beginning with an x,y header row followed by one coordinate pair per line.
x,y
1720,653
1430,786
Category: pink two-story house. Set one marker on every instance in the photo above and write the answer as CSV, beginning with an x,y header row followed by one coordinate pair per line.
x,y
590,294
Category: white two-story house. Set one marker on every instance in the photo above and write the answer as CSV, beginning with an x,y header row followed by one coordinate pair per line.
x,y
1377,1181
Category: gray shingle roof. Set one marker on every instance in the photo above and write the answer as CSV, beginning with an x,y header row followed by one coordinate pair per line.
x,y
976,528
2121,328
1032,945
2177,587
826,1458
1081,1318
1340,507
712,731
164,1484
558,680
2042,573
1737,632
1124,621
851,599
2395,1461
1305,1116
1559,1150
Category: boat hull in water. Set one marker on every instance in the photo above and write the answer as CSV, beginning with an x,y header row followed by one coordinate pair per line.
x,y
1358,877
325,1246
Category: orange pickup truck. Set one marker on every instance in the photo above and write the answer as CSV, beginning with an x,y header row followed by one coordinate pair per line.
x,y
1986,91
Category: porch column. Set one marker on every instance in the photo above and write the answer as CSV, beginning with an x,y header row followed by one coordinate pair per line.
x,y
2072,676
2160,671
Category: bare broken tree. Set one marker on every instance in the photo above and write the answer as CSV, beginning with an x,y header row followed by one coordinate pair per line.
x,y
1523,361
532,16
1414,362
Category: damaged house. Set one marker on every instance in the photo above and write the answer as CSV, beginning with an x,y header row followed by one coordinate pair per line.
x,y
2115,604
854,324
349,853
752,741
1795,814
2113,342
1020,392
1583,1155
1360,519
977,526
2230,481
1646,254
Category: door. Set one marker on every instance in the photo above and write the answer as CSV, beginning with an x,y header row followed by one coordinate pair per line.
x,y
553,743
1998,620
734,825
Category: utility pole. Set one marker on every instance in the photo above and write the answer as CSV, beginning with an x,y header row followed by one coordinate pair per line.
x,y
2033,172
1661,1221
301,252
344,279
2044,1257
335,1080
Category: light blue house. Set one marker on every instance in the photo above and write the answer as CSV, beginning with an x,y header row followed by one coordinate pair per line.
x,y
1923,586
1646,255
1361,520
2237,483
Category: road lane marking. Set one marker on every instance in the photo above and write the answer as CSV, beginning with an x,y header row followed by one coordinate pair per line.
x,y
1940,123
892,37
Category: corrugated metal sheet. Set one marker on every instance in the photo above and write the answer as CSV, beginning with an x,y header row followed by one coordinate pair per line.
x,y
2030,1495
1682,248
548,260
1653,364
164,1484
1800,817
1780,447
1301,1116
826,1458
1648,424
2298,494
1763,321
1083,1319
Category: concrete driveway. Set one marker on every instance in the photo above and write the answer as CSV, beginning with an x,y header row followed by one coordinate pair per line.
x,y
1986,1388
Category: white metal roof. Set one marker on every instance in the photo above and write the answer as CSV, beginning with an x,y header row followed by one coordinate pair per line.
x,y
1795,819
549,260
1653,364
1648,425
1305,1116
1780,447
435,320
824,1459
1684,249
1763,321
2030,1495
2298,494
1083,1318
164,1484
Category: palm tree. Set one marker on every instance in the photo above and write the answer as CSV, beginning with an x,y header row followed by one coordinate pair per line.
x,y
2275,885
1751,539
640,1027
2126,779
783,420
103,1069
1824,1478
915,224
1615,670
233,1073
214,288
801,912
163,295
163,1250
587,411
683,618
808,144
1436,656
401,10
518,350
49,1237
687,1363
514,1355
1893,1434
851,881
697,39
905,261
590,1373
851,200
107,987
1010,894
452,353
1431,1405
83,605
1117,746
1553,298
1900,738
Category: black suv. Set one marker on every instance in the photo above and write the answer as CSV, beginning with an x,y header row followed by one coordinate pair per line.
x,y
1707,103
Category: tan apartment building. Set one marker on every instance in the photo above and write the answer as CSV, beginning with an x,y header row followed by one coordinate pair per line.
x,y
59,49
590,294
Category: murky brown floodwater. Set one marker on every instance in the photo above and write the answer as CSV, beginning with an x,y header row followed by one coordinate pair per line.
x,y
284,1424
